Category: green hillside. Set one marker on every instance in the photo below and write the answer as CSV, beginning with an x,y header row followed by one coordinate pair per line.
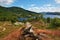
x,y
13,13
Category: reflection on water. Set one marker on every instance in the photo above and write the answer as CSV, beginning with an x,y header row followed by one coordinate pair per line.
x,y
22,19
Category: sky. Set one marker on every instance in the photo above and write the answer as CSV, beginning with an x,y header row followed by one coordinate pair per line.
x,y
34,5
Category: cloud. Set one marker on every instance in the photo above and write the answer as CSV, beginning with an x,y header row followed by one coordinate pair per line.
x,y
6,2
57,1
47,5
35,9
32,5
21,6
44,8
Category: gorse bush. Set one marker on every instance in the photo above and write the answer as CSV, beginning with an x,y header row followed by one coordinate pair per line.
x,y
48,20
55,23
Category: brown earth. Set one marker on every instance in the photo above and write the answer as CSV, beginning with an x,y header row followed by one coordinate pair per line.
x,y
16,34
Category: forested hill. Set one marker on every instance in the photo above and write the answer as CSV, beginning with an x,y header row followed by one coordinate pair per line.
x,y
51,13
11,13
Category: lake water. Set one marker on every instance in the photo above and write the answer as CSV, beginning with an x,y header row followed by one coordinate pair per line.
x,y
51,16
45,16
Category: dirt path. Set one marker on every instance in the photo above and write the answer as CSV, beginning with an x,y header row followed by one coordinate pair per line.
x,y
15,35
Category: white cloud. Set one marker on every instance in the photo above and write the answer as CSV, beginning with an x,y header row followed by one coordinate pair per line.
x,y
45,8
57,1
47,5
21,6
6,2
33,5
35,9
